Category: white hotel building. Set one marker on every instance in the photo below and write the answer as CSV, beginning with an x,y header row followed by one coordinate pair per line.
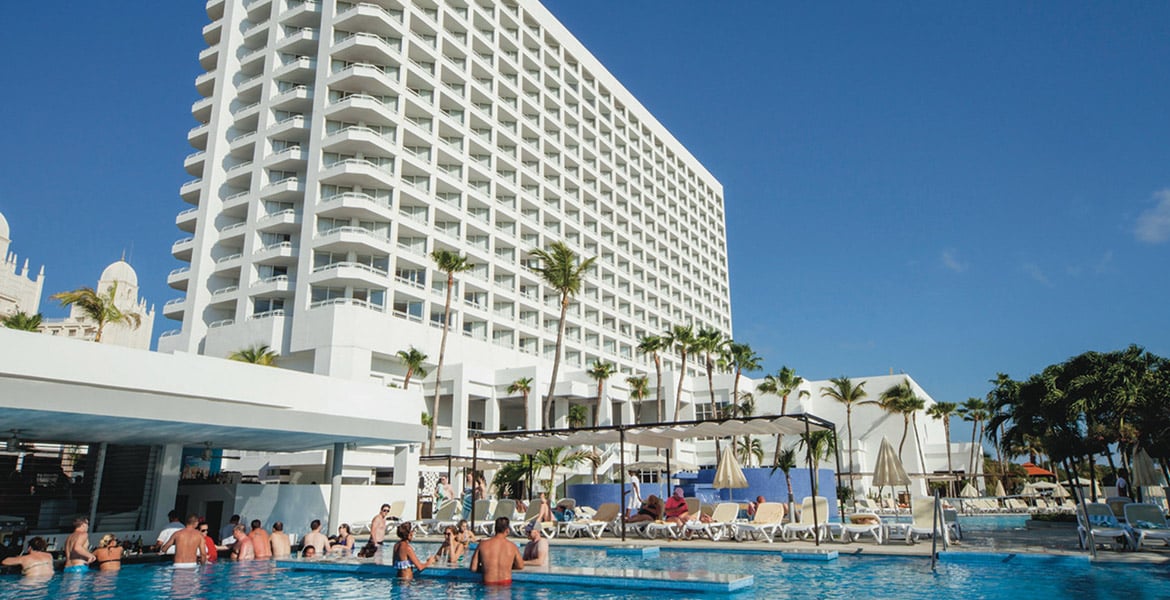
x,y
338,144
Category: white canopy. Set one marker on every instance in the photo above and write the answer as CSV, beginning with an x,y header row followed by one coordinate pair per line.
x,y
661,435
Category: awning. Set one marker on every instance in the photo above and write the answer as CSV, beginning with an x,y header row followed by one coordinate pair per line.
x,y
1034,471
659,435
459,462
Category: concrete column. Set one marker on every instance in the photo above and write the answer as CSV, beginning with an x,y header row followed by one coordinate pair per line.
x,y
167,471
628,411
336,464
406,473
97,483
346,362
535,402
491,413
560,413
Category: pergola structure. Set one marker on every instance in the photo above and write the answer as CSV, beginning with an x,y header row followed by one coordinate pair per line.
x,y
656,435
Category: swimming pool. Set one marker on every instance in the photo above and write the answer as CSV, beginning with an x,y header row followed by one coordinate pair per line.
x,y
847,577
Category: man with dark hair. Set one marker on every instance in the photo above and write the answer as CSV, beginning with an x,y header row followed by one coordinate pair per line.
x,y
497,556
171,529
315,538
281,543
378,525
225,532
260,544
188,543
77,554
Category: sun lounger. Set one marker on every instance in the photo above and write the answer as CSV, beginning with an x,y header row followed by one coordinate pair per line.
x,y
441,519
722,523
858,525
1099,522
518,525
597,524
809,525
923,524
502,508
669,529
1146,521
769,519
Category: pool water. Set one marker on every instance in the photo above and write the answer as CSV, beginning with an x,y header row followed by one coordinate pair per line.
x,y
848,577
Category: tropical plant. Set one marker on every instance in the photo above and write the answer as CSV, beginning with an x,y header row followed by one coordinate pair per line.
x,y
746,407
559,458
783,383
652,345
259,354
415,362
523,386
818,445
682,338
22,321
100,308
975,411
843,390
600,371
738,359
578,415
785,460
748,448
639,389
450,263
711,343
562,270
514,477
896,400
943,411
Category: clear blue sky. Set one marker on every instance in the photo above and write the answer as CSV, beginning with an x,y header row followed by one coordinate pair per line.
x,y
945,189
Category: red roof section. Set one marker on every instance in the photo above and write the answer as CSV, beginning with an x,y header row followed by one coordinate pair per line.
x,y
1033,471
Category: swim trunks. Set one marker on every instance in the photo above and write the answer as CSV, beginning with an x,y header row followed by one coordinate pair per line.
x,y
77,569
504,582
184,565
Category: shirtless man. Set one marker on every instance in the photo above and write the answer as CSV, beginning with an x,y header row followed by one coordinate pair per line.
x,y
315,538
77,554
497,556
189,544
261,546
378,525
536,550
243,549
281,543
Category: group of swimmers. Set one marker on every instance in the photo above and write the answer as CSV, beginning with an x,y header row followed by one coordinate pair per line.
x,y
495,557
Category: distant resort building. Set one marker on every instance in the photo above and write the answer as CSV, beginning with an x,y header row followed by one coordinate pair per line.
x,y
122,279
19,292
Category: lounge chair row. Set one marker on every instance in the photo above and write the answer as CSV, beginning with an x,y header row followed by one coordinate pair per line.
x,y
1142,522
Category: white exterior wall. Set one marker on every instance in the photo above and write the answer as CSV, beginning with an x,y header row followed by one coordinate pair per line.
x,y
19,292
339,144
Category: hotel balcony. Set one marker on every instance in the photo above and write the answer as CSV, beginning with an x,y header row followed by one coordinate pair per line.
x,y
301,69
296,99
197,136
233,231
369,48
356,205
186,220
302,15
350,274
370,17
238,200
276,286
205,84
280,253
189,191
201,109
208,58
376,79
178,278
290,188
359,239
174,308
362,108
294,127
288,159
215,9
285,221
358,171
194,163
300,41
357,139
212,31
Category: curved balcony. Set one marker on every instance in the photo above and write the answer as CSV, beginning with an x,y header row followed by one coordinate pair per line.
x,y
197,136
285,221
291,128
288,159
369,48
347,302
235,230
239,175
182,249
205,84
290,188
300,69
201,109
179,278
357,139
367,76
174,308
212,32
298,98
357,171
303,14
194,163
356,205
370,17
301,42
362,108
350,274
280,253
273,287
358,239
186,220
208,58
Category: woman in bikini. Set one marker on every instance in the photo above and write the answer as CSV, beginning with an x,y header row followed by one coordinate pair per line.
x,y
451,549
464,534
35,563
405,560
345,541
108,553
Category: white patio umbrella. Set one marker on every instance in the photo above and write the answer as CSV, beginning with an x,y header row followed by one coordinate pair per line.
x,y
1043,485
1144,474
969,491
999,491
1060,492
888,469
1029,490
729,473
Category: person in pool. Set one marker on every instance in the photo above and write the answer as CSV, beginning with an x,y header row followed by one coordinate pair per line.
x,y
108,553
188,543
36,562
451,549
496,557
405,560
345,541
77,554
464,534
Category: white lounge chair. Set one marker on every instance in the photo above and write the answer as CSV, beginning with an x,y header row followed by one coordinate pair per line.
x,y
442,518
923,523
669,529
502,508
597,524
722,523
1099,521
548,527
809,525
1146,521
769,520
858,525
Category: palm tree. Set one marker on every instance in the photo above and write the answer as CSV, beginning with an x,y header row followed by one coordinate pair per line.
x,y
681,337
577,416
653,345
943,411
894,401
22,321
600,371
449,263
563,271
524,386
415,362
260,354
558,458
844,391
748,448
740,358
975,411
639,389
819,445
711,342
783,383
785,460
912,406
745,407
100,308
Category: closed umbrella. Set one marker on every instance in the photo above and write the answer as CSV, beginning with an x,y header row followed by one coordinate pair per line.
x,y
999,491
1145,474
729,473
969,491
1060,493
888,469
1029,490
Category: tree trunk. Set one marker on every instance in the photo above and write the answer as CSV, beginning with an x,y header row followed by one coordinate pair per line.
x,y
849,429
791,498
658,385
950,465
681,378
918,442
552,385
524,396
971,454
905,430
780,436
439,367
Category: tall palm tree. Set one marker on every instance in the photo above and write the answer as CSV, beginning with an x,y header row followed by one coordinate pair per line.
x,y
100,308
524,386
653,345
563,271
600,371
818,445
975,411
449,263
639,389
748,448
942,411
893,400
783,383
711,343
22,321
785,460
740,358
912,406
682,338
260,354
415,362
746,406
843,390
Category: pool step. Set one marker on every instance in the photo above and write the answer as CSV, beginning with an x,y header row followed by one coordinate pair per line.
x,y
815,555
640,551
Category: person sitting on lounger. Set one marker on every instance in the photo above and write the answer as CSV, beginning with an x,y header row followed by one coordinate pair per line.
x,y
545,515
651,511
675,510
